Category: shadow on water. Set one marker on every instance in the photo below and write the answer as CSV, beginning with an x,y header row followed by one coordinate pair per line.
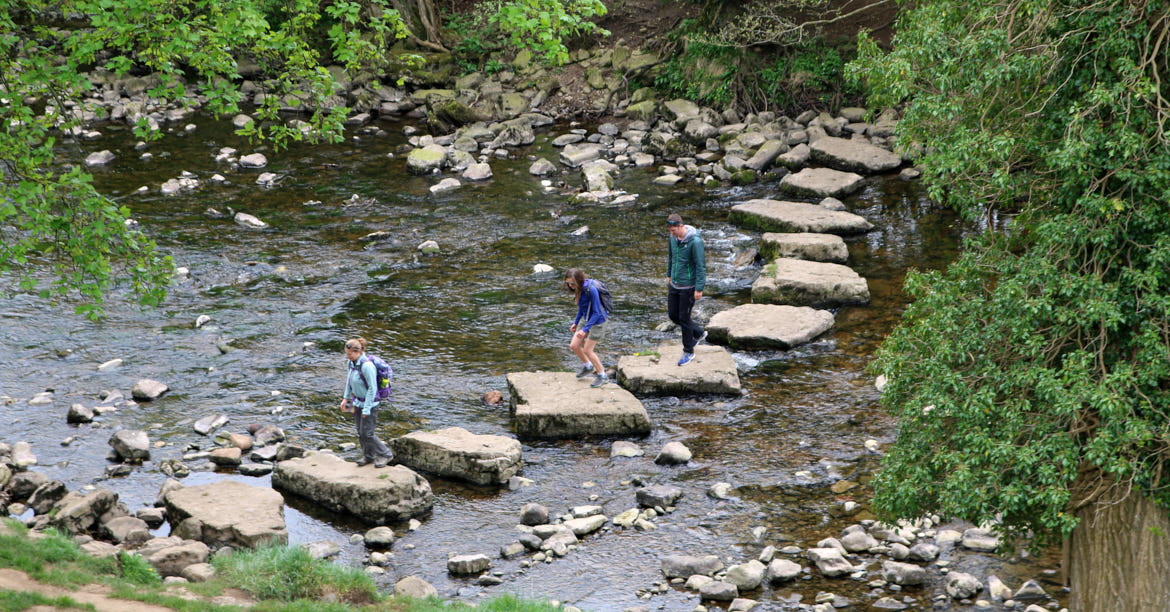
x,y
283,299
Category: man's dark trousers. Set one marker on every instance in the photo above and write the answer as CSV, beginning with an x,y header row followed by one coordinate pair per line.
x,y
679,303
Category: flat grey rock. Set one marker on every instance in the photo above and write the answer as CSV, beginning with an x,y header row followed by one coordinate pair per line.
x,y
804,245
821,182
853,155
782,216
147,390
455,452
768,326
797,282
230,513
712,370
685,566
560,405
376,495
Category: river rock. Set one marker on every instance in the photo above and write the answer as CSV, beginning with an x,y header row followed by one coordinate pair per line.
x,y
1030,591
798,282
804,245
559,405
153,517
576,156
542,167
210,423
230,513
425,160
795,158
766,155
533,514
455,452
100,158
22,455
241,120
858,541
79,413
198,572
445,185
658,496
718,590
782,216
830,561
685,566
621,448
782,570
923,551
267,434
415,587
478,172
961,585
559,542
255,160
111,364
980,540
146,390
80,512
853,155
768,326
463,565
596,177
229,457
127,530
567,139
131,444
376,496
905,574
712,370
46,496
673,453
585,525
997,590
247,220
746,576
586,511
821,182
380,537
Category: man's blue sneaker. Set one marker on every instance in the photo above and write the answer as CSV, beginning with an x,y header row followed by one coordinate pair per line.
x,y
701,338
686,358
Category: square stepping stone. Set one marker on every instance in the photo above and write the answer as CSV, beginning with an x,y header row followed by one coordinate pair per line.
x,y
797,282
768,326
375,495
781,216
560,405
821,182
803,245
455,452
853,155
712,370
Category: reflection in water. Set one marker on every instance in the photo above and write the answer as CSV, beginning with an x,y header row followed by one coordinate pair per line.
x,y
282,300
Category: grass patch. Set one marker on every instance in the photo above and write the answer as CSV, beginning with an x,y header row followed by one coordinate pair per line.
x,y
16,601
288,573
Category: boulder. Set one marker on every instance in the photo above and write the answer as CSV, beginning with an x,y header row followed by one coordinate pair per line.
x,y
804,245
961,585
457,453
533,514
658,496
821,182
782,216
673,453
830,561
712,370
425,160
560,405
621,448
768,326
46,496
577,156
146,390
376,496
208,424
79,413
746,576
903,573
478,172
229,457
980,540
445,185
766,155
417,588
853,155
131,445
542,167
596,178
254,160
171,555
514,133
124,529
462,565
782,570
923,551
809,283
230,513
79,512
684,566
795,158
22,455
100,158
858,541
379,537
586,524
718,590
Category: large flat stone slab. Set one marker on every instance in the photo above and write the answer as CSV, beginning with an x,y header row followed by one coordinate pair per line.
x,y
376,495
853,155
455,452
804,245
821,182
711,371
768,326
230,513
782,216
797,282
560,405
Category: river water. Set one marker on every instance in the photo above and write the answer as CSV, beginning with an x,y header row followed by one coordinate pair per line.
x,y
283,299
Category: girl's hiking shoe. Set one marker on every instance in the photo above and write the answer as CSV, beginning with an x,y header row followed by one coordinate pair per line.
x,y
585,370
599,381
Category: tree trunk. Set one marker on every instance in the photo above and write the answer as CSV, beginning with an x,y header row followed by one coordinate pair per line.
x,y
1117,557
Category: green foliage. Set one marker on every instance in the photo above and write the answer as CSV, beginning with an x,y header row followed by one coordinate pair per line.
x,y
289,573
544,26
50,213
137,570
17,601
1037,366
704,73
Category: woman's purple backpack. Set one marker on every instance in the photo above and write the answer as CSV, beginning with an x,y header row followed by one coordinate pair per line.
x,y
385,375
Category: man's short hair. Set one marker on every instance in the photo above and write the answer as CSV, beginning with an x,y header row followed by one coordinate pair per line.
x,y
674,219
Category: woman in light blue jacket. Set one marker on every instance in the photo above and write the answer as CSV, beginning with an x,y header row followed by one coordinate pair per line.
x,y
588,327
361,383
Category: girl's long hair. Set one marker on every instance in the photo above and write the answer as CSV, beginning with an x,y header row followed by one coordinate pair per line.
x,y
578,279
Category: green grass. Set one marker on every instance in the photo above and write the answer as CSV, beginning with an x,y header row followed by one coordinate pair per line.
x,y
288,573
16,601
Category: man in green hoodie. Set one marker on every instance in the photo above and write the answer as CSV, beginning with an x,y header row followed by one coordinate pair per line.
x,y
686,275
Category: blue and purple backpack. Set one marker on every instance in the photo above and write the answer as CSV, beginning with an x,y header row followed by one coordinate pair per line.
x,y
384,376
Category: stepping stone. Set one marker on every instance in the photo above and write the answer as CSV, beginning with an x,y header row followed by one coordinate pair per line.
x,y
797,282
821,182
781,216
375,495
711,371
768,326
560,405
229,513
853,155
455,452
803,245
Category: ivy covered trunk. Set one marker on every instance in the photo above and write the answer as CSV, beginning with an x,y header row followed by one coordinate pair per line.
x,y
1117,557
